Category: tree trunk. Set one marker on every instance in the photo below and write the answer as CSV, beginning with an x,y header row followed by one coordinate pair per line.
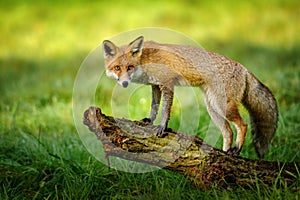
x,y
186,154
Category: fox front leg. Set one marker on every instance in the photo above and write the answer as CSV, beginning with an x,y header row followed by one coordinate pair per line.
x,y
156,96
168,94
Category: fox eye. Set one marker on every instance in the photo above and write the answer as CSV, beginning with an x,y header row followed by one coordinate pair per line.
x,y
130,67
117,68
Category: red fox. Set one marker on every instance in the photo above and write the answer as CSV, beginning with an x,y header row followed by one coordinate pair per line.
x,y
225,84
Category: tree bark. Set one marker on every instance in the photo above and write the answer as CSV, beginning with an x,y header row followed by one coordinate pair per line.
x,y
206,166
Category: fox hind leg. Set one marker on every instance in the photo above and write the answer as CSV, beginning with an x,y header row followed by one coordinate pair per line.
x,y
223,125
233,116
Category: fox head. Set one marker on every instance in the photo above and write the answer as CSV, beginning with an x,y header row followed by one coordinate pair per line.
x,y
122,62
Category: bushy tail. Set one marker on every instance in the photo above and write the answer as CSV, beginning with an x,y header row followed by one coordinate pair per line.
x,y
263,111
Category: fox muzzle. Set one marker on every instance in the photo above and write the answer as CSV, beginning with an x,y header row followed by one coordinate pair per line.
x,y
125,84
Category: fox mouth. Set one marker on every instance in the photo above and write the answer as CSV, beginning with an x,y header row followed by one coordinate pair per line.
x,y
124,82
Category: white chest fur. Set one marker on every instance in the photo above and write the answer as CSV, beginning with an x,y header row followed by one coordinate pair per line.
x,y
145,76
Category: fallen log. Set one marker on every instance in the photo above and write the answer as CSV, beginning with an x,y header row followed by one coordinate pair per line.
x,y
206,166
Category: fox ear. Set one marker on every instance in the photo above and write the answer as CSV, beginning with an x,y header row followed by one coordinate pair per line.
x,y
109,49
136,46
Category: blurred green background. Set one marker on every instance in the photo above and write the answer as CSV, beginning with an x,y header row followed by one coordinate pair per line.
x,y
43,44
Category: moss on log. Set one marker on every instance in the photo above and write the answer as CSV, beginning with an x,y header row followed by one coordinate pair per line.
x,y
206,166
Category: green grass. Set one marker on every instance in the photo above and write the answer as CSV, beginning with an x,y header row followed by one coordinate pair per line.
x,y
42,47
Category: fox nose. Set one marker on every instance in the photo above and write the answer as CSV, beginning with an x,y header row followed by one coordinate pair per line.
x,y
125,84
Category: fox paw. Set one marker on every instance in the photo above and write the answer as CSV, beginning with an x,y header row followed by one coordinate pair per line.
x,y
234,151
161,131
146,120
